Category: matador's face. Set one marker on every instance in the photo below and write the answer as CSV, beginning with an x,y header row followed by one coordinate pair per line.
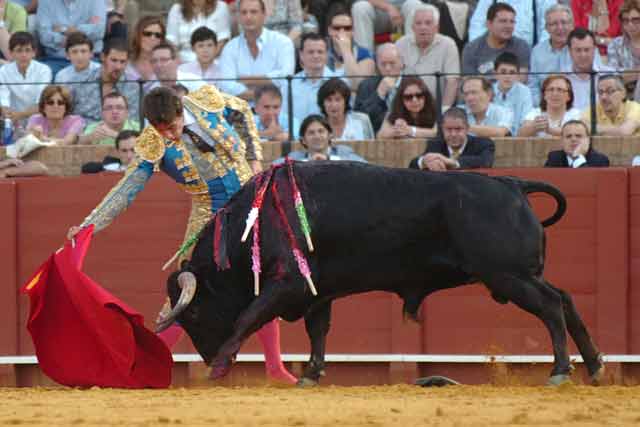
x,y
173,130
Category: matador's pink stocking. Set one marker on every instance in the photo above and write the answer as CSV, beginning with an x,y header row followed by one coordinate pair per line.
x,y
269,336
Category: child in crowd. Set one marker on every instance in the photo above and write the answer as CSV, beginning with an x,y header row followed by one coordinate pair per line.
x,y
19,95
79,50
204,44
508,91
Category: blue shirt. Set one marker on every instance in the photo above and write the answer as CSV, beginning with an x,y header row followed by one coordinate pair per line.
x,y
283,121
496,116
275,60
517,99
524,18
305,93
360,53
87,16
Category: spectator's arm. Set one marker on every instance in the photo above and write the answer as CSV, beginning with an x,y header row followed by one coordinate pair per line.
x,y
95,26
489,131
296,19
230,71
386,130
627,128
287,63
29,168
48,37
369,102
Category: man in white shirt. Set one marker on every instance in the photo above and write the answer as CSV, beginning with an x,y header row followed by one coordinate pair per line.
x,y
257,56
19,96
164,60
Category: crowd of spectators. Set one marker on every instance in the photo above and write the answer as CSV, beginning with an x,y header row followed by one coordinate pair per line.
x,y
74,72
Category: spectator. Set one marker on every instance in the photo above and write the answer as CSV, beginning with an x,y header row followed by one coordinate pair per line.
x,y
304,88
124,142
346,57
115,119
457,148
13,18
109,78
412,113
204,44
555,109
79,50
623,54
333,100
614,115
509,92
57,19
55,122
598,16
551,55
485,117
257,55
11,168
576,149
285,16
19,88
186,17
148,33
376,93
316,138
270,120
582,49
426,51
371,17
164,59
530,25
478,55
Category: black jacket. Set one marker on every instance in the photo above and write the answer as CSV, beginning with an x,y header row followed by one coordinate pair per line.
x,y
558,159
368,101
478,153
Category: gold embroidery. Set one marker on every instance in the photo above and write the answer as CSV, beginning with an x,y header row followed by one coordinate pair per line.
x,y
150,145
190,174
197,187
198,218
206,98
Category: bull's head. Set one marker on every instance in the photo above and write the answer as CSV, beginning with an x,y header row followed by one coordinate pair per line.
x,y
207,312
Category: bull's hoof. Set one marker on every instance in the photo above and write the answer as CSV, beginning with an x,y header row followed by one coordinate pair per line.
x,y
220,369
435,381
305,382
556,380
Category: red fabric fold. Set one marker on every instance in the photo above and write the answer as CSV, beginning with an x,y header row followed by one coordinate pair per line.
x,y
85,336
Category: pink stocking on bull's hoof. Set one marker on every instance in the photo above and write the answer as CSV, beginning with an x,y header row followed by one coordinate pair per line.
x,y
220,368
269,336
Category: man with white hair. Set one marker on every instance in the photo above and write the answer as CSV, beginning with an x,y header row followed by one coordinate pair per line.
x,y
426,51
377,16
376,93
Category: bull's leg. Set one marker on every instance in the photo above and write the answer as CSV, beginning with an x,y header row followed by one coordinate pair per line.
x,y
545,303
317,322
578,331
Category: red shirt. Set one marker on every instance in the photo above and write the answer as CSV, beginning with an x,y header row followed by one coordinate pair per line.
x,y
582,10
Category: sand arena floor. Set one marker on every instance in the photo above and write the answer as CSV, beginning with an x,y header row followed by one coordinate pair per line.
x,y
404,405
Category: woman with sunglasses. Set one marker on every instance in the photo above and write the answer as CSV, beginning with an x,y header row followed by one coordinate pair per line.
x,y
333,99
623,53
412,112
55,122
188,15
148,33
555,109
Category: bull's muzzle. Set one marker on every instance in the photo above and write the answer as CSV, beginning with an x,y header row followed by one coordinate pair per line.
x,y
187,283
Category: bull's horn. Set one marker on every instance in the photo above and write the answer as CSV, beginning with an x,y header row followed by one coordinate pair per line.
x,y
187,282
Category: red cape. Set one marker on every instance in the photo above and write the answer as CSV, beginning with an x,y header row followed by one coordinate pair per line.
x,y
85,336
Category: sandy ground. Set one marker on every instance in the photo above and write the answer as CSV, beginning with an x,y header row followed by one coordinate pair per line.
x,y
568,405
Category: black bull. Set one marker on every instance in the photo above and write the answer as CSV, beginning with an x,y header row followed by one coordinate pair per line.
x,y
376,229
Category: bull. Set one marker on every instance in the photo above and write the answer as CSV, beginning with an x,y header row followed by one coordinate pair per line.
x,y
374,229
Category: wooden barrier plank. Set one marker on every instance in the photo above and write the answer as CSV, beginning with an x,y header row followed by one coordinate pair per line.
x,y
634,260
9,284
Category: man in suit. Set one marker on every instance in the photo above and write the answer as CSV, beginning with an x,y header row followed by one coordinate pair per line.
x,y
458,149
576,149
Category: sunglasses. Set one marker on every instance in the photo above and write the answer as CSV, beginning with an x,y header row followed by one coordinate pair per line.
x,y
411,96
58,102
342,27
157,35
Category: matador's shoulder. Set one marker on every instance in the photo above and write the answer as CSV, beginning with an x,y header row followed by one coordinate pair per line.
x,y
150,145
207,98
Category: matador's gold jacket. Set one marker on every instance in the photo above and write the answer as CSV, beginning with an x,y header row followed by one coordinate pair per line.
x,y
224,123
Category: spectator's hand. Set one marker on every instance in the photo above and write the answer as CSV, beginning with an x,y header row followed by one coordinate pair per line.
x,y
394,15
386,85
437,165
272,130
342,44
103,131
72,232
9,113
433,159
38,132
401,128
11,162
70,29
95,19
319,156
541,123
581,150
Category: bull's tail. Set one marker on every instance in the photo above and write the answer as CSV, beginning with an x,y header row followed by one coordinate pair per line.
x,y
528,187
